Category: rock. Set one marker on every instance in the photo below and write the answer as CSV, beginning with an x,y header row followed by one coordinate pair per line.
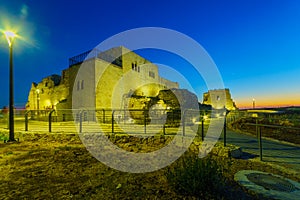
x,y
236,153
179,98
230,151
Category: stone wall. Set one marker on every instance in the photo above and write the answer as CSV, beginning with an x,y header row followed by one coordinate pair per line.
x,y
105,87
137,76
47,94
179,99
104,83
219,98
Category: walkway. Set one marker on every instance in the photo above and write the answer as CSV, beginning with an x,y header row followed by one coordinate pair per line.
x,y
273,151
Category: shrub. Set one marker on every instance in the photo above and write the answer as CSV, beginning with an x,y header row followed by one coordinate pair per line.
x,y
3,137
193,176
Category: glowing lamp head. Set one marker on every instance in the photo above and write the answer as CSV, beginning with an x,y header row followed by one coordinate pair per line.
x,y
9,36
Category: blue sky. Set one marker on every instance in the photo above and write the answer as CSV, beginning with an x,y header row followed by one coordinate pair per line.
x,y
255,44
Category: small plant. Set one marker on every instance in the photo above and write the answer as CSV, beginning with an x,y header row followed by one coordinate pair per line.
x,y
196,177
9,153
3,138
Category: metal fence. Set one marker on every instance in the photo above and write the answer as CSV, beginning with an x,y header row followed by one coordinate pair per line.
x,y
169,122
110,121
279,127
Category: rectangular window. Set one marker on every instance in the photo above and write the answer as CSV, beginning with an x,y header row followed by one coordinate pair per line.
x,y
152,74
78,85
82,84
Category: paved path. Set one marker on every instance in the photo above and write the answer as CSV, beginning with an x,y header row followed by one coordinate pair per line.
x,y
273,151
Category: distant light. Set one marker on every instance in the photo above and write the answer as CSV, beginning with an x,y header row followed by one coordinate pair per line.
x,y
255,115
9,36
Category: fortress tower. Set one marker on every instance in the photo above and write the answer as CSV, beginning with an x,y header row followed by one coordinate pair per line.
x,y
216,99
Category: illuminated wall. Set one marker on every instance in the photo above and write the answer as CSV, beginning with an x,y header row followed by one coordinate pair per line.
x,y
106,82
218,98
136,76
47,94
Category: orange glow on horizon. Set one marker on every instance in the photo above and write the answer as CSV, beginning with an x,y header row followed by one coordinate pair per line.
x,y
268,103
275,100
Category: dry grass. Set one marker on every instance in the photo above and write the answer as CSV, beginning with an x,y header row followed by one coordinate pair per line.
x,y
57,166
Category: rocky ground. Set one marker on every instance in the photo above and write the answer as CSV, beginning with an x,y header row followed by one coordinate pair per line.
x,y
58,166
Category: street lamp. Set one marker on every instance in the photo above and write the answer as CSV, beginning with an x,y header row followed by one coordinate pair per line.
x,y
253,103
10,39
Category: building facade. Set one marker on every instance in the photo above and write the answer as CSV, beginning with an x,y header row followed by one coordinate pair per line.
x,y
105,80
219,98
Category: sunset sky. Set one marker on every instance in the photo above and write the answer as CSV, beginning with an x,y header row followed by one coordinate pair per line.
x,y
255,44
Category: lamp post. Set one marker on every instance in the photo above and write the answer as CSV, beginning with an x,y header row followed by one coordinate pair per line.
x,y
10,39
253,103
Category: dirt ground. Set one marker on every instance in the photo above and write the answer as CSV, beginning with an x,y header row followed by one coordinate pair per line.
x,y
58,166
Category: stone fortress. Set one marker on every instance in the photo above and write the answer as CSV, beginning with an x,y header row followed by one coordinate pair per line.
x,y
55,92
214,97
117,78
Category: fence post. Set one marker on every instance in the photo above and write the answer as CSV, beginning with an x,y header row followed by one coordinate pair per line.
x,y
145,129
26,120
80,121
260,143
112,121
50,120
202,129
103,116
256,127
225,133
164,129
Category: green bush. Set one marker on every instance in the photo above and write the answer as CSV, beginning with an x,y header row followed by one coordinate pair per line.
x,y
3,137
193,176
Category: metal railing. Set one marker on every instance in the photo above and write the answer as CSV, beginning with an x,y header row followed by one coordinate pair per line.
x,y
259,129
262,124
142,121
111,121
